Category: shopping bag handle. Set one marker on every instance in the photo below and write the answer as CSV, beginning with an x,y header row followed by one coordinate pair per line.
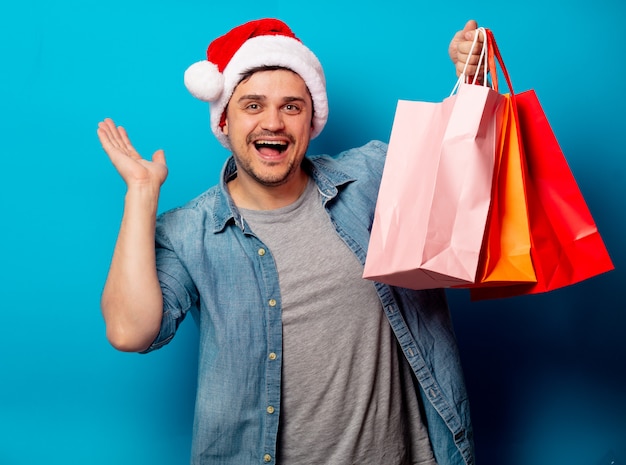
x,y
493,53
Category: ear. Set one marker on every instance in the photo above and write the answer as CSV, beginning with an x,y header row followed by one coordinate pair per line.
x,y
224,127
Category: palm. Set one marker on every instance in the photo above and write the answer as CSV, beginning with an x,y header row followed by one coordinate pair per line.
x,y
132,167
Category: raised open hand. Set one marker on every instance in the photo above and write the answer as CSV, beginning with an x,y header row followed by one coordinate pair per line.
x,y
134,169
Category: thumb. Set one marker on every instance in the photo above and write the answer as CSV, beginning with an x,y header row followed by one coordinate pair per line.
x,y
159,157
468,30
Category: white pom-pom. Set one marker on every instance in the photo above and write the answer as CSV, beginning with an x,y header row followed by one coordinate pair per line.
x,y
204,81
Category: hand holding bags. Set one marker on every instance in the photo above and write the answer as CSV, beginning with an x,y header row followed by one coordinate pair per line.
x,y
435,192
431,207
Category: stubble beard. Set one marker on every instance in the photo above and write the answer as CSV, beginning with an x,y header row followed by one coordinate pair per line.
x,y
267,180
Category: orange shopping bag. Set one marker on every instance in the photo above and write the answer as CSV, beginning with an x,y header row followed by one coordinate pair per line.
x,y
505,255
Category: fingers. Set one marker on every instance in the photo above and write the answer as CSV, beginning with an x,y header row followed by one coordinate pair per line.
x,y
467,46
115,138
471,60
468,50
108,135
126,142
108,141
107,130
460,49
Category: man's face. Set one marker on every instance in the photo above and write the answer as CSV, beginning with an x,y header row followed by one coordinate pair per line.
x,y
268,123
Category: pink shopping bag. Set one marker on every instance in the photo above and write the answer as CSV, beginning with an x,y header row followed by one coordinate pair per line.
x,y
435,191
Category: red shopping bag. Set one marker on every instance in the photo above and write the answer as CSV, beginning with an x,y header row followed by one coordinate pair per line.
x,y
435,191
566,246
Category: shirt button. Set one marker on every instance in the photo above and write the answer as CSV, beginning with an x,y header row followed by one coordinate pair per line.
x,y
270,409
272,356
267,458
272,302
261,251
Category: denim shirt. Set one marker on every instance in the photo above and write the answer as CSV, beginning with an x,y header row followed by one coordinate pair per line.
x,y
209,261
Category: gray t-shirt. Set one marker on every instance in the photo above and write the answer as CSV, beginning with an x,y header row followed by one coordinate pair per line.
x,y
347,392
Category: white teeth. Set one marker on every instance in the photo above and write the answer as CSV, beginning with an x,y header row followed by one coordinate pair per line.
x,y
270,142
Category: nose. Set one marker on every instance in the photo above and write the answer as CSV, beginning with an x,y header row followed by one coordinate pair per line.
x,y
272,120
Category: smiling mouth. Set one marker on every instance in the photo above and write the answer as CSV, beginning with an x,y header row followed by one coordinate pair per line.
x,y
271,147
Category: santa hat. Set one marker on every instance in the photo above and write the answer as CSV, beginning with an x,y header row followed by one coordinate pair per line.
x,y
265,42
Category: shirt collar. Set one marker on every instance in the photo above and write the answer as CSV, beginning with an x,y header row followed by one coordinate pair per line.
x,y
326,176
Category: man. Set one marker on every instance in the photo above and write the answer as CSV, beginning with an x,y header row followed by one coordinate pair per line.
x,y
301,361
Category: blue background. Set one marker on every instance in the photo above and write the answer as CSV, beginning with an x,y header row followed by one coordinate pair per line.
x,y
545,373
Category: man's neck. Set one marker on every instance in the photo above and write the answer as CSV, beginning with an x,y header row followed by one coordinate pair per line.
x,y
251,195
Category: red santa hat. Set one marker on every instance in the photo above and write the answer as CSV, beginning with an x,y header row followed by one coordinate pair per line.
x,y
264,42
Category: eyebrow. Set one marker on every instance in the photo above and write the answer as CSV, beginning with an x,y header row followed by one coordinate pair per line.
x,y
258,97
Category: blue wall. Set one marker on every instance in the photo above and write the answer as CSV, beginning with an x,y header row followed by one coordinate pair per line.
x,y
546,373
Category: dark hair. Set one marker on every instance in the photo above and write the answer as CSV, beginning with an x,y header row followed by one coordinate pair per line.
x,y
250,71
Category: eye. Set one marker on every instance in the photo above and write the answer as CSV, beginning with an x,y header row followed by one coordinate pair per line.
x,y
253,106
292,108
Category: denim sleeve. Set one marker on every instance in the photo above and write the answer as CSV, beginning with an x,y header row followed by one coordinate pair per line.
x,y
179,292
